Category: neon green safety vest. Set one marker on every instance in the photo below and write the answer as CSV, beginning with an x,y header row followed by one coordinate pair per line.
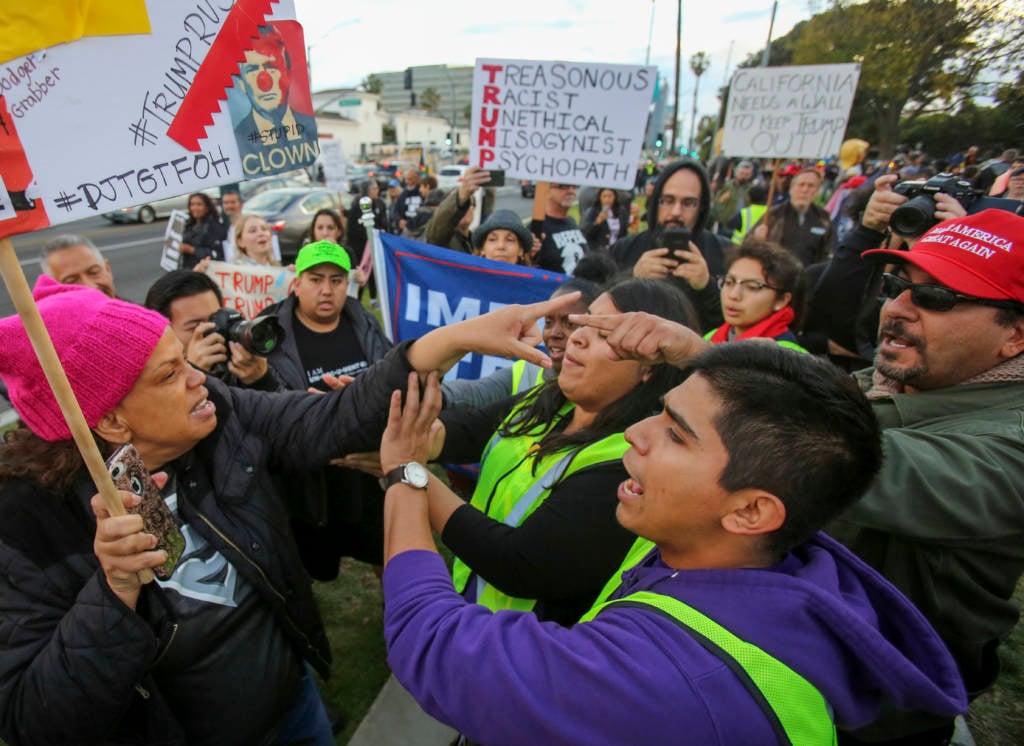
x,y
781,342
798,712
525,376
749,216
513,483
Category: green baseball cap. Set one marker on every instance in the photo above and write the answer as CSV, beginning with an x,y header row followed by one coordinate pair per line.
x,y
322,252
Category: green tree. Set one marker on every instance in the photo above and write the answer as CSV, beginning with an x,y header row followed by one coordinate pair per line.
x,y
372,83
917,57
430,99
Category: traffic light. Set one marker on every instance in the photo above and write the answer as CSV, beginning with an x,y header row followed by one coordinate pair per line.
x,y
659,141
448,139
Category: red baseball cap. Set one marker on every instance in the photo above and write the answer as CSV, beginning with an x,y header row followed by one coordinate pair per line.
x,y
980,255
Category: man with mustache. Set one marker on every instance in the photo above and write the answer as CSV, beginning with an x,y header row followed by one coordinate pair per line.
x,y
681,199
943,521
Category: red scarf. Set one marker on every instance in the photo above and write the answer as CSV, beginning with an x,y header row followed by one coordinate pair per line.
x,y
770,326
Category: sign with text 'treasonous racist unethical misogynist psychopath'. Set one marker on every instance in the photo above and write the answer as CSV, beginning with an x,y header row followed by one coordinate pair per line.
x,y
574,122
789,112
213,92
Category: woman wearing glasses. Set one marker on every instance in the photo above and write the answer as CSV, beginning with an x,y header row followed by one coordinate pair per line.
x,y
761,294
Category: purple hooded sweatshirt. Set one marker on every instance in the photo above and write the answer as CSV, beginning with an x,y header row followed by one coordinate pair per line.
x,y
633,676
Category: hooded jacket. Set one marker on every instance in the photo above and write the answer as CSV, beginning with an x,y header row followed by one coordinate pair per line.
x,y
632,675
626,251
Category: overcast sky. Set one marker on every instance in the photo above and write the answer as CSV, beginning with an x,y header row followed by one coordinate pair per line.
x,y
348,40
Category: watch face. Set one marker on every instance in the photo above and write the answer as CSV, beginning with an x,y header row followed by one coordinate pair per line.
x,y
416,475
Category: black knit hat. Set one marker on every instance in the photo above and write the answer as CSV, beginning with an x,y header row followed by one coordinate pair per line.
x,y
509,221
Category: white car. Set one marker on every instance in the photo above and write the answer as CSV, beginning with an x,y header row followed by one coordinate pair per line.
x,y
450,176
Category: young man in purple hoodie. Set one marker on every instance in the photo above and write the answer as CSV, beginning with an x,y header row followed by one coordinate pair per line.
x,y
742,625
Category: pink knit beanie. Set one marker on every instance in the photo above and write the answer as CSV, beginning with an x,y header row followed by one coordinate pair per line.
x,y
102,343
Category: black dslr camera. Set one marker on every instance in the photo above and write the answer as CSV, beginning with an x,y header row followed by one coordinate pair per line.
x,y
914,217
259,336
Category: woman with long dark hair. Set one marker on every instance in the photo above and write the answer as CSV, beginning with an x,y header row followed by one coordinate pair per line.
x,y
204,233
606,221
540,531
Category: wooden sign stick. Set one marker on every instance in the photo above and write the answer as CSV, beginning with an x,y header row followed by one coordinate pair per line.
x,y
540,208
17,286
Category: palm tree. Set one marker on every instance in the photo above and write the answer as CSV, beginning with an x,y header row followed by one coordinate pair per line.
x,y
699,64
430,99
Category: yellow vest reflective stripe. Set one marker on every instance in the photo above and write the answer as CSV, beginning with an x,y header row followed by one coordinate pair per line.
x,y
796,709
525,376
514,483
640,549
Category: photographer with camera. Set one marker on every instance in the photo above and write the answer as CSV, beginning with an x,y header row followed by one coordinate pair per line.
x,y
217,340
329,339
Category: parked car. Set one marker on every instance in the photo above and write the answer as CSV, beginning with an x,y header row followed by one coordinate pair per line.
x,y
289,212
361,174
450,176
527,189
147,212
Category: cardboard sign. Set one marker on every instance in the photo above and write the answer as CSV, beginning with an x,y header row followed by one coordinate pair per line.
x,y
170,258
423,287
789,112
332,158
87,125
574,122
249,289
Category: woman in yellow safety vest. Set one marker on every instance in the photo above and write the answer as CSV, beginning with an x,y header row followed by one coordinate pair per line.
x,y
761,294
540,531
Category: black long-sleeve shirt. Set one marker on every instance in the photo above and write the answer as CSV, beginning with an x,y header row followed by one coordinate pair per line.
x,y
563,553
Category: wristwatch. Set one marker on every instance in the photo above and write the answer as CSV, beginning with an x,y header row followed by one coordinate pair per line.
x,y
411,473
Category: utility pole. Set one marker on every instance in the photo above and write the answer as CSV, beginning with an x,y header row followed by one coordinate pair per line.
x,y
679,63
771,27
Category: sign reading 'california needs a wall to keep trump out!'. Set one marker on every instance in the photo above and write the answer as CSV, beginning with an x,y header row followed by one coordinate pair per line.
x,y
574,122
789,112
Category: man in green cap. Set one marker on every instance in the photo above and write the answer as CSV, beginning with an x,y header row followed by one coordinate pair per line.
x,y
329,339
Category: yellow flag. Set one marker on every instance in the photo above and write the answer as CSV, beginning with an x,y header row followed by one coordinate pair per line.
x,y
29,27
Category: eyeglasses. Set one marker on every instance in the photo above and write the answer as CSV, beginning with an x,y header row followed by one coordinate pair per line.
x,y
936,297
563,186
669,200
748,286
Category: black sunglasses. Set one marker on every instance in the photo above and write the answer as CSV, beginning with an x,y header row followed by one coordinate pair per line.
x,y
936,297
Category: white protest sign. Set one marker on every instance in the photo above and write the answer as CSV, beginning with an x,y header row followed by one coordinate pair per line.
x,y
248,288
789,112
576,122
105,122
332,157
170,258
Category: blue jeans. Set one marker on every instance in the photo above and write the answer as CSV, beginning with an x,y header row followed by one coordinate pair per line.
x,y
306,724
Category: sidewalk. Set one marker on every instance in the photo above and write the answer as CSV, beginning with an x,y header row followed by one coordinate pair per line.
x,y
395,719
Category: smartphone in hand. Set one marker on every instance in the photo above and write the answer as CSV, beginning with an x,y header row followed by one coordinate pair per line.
x,y
130,475
676,239
497,177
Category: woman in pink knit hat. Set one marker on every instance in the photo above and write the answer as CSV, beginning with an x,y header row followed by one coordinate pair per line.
x,y
222,651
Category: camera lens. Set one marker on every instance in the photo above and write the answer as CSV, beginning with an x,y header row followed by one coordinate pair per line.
x,y
259,337
914,217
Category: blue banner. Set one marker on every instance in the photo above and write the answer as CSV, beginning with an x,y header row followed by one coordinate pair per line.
x,y
428,287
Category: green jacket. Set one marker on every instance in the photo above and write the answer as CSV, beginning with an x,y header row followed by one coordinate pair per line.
x,y
944,520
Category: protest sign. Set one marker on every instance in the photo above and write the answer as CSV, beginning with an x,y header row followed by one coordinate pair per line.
x,y
248,288
170,258
789,112
423,287
575,122
332,159
105,122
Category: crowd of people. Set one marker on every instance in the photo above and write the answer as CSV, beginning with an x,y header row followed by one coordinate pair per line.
x,y
691,524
